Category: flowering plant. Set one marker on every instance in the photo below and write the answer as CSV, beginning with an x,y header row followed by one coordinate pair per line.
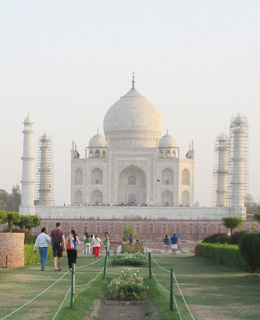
x,y
134,259
129,286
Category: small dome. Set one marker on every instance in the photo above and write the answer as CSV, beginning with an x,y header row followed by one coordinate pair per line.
x,y
97,141
28,120
222,137
167,141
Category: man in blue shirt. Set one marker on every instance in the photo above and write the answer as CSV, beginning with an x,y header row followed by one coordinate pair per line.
x,y
174,240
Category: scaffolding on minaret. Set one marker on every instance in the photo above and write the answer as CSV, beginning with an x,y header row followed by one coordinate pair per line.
x,y
44,172
220,171
238,181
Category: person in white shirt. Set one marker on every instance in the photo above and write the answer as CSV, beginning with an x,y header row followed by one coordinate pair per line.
x,y
96,245
42,240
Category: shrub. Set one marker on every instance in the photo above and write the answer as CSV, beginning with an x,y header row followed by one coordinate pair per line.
x,y
127,287
226,254
249,246
131,248
130,259
217,238
234,239
30,257
130,230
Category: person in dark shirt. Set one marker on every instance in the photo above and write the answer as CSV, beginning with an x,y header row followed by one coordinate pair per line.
x,y
58,243
174,240
166,242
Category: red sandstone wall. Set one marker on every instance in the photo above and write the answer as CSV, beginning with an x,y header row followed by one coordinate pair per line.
x,y
12,246
149,230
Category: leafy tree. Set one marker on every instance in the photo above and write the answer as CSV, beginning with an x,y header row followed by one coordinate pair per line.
x,y
10,202
2,205
28,222
15,198
232,223
3,217
11,218
250,204
257,216
130,230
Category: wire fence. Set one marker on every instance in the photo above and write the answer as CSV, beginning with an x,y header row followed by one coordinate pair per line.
x,y
70,289
171,283
73,286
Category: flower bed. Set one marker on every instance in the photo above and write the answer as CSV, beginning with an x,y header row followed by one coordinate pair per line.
x,y
128,287
131,247
130,259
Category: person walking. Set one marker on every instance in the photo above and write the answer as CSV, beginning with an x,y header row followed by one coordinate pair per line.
x,y
72,250
174,240
107,243
166,242
42,240
96,245
87,244
58,243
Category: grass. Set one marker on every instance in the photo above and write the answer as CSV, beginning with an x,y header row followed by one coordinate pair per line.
x,y
211,290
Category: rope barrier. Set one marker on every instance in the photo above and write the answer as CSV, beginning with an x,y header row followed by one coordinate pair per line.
x,y
61,304
178,289
35,296
85,284
183,297
160,284
86,265
160,265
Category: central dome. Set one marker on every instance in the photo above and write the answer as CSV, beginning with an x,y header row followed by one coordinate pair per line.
x,y
133,117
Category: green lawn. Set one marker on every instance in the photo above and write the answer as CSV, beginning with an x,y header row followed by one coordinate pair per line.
x,y
211,291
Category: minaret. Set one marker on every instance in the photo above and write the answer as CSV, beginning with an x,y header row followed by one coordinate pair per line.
x,y
45,186
238,183
222,147
27,203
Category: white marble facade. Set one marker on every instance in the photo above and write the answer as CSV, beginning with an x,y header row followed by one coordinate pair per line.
x,y
132,164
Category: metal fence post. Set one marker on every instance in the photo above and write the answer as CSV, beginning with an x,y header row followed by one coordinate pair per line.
x,y
105,268
150,265
171,292
72,285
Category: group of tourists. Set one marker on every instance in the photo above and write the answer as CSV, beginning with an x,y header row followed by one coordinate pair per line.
x,y
60,244
96,243
174,243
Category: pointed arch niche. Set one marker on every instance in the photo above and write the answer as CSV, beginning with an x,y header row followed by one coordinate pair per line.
x,y
186,198
132,186
186,177
167,176
167,198
96,197
78,177
97,176
78,197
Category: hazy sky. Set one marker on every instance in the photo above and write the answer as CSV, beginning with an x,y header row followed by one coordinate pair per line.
x,y
67,62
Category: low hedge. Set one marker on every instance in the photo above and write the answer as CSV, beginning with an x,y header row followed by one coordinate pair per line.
x,y
30,257
228,255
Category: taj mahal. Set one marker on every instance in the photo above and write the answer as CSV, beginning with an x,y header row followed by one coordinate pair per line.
x,y
132,164
135,174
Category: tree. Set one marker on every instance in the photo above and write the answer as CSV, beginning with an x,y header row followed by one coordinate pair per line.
x,y
10,202
28,222
11,218
257,216
130,230
250,204
232,223
15,198
3,217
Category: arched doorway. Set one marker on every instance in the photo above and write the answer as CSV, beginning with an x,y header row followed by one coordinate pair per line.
x,y
132,186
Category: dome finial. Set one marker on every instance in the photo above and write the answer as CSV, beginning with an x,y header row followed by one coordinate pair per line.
x,y
133,80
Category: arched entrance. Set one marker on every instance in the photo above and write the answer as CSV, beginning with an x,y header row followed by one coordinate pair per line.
x,y
132,186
